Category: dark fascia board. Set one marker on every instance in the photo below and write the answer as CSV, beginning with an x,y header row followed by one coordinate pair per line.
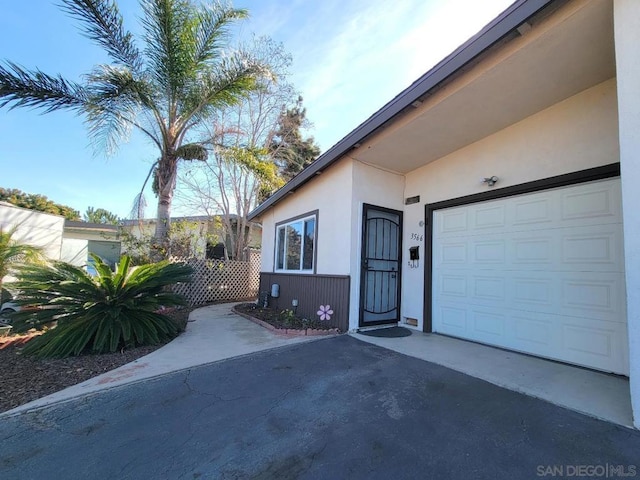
x,y
194,218
518,13
79,225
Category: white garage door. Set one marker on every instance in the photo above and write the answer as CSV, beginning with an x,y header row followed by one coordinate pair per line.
x,y
541,273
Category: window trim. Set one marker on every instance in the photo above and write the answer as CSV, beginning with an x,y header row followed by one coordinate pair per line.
x,y
312,214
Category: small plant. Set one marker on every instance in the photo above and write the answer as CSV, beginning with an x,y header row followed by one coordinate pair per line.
x,y
288,318
100,314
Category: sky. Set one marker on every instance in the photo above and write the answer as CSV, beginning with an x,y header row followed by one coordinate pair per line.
x,y
350,57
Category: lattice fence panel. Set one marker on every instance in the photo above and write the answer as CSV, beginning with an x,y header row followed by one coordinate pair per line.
x,y
221,280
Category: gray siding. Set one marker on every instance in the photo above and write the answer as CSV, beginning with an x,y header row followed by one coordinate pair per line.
x,y
108,251
311,292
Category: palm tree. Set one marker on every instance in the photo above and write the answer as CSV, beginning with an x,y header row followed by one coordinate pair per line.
x,y
165,90
13,253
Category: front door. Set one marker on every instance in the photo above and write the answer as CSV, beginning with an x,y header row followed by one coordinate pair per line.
x,y
380,270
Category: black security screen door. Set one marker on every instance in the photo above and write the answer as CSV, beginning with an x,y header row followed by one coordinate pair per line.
x,y
381,259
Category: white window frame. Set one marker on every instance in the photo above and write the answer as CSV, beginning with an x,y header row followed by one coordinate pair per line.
x,y
284,225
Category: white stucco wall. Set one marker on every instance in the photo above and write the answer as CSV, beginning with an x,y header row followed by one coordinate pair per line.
x,y
578,133
627,39
376,187
330,193
39,229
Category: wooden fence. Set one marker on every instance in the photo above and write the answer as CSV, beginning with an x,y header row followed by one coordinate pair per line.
x,y
221,280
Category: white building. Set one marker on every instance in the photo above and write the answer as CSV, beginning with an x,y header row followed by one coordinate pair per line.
x,y
494,200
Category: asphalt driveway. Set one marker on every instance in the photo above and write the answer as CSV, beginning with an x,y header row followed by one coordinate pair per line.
x,y
334,408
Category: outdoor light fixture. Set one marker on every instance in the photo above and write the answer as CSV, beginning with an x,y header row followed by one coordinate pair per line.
x,y
294,304
491,181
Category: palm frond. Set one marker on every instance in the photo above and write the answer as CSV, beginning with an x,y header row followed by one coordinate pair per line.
x,y
103,24
211,30
23,88
222,86
13,253
168,29
116,99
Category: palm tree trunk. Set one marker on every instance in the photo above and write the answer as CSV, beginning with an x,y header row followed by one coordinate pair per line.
x,y
161,236
166,181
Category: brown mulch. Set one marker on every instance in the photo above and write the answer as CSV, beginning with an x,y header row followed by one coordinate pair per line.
x,y
24,379
275,318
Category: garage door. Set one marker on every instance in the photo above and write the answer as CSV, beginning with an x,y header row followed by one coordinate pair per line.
x,y
541,273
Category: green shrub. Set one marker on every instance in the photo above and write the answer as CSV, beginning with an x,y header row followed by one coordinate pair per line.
x,y
105,313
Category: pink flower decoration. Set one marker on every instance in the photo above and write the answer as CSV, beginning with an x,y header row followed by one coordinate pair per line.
x,y
325,312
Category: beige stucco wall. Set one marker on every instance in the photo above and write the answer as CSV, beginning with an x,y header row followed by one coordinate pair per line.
x,y
578,133
330,193
376,187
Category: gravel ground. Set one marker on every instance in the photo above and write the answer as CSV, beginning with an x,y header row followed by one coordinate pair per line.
x,y
23,379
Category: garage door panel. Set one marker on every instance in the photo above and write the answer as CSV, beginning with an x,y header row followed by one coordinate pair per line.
x,y
531,292
594,247
453,320
490,288
488,325
533,333
591,202
536,250
583,294
563,250
454,222
596,344
453,285
489,251
541,273
599,296
490,217
453,254
532,211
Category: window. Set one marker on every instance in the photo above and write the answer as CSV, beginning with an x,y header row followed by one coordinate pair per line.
x,y
295,245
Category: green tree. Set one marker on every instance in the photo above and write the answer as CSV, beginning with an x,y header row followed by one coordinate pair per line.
x,y
13,253
181,76
241,170
291,151
106,313
100,215
37,202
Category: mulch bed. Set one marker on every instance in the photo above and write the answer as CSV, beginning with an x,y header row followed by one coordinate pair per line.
x,y
24,379
284,323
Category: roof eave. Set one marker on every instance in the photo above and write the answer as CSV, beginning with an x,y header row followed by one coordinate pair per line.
x,y
519,12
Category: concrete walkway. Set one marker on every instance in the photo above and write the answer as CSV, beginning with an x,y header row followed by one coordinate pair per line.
x,y
213,333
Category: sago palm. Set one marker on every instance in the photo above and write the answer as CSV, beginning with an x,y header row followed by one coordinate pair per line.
x,y
13,253
105,313
182,73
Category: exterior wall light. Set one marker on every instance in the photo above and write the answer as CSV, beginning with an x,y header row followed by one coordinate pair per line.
x,y
491,181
